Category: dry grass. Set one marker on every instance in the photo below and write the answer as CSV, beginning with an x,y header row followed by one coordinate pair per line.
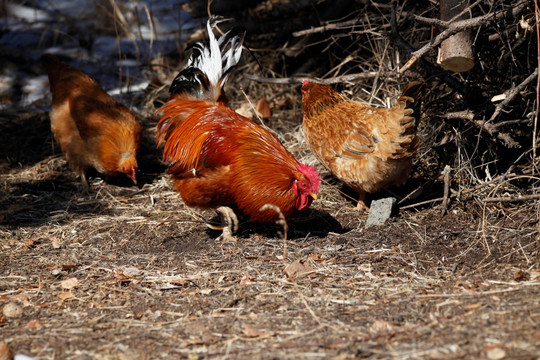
x,y
152,282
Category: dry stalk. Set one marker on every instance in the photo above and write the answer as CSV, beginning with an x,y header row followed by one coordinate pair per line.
x,y
535,130
446,198
333,80
515,198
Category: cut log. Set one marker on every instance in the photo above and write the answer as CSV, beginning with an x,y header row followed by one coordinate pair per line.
x,y
456,52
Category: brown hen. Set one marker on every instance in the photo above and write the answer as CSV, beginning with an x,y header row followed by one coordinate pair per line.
x,y
93,129
367,148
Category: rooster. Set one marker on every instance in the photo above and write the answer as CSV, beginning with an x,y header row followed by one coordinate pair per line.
x,y
93,129
220,159
365,147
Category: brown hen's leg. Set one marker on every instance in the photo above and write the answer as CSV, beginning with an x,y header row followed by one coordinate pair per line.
x,y
361,206
84,187
229,223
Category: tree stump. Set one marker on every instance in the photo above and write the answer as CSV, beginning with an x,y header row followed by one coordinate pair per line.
x,y
455,53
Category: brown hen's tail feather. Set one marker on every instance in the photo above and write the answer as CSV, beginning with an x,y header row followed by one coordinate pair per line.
x,y
411,98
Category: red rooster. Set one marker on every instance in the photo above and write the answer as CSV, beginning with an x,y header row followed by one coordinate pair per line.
x,y
93,129
365,147
220,159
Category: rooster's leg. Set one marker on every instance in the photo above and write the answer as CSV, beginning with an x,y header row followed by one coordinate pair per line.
x,y
229,223
361,206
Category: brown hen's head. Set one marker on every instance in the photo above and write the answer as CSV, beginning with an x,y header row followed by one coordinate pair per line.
x,y
129,168
306,185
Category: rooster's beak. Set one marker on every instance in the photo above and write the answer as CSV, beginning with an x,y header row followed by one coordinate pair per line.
x,y
314,196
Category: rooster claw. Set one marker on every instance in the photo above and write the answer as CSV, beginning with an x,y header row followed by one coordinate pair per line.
x,y
229,224
227,236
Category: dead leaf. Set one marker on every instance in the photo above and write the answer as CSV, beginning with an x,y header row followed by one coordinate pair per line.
x,y
251,332
179,282
65,296
381,325
245,110
30,242
521,275
245,279
263,109
70,283
298,269
35,324
316,257
55,242
67,267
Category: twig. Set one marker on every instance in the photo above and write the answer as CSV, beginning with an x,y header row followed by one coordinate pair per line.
x,y
303,298
491,129
446,198
511,94
334,80
421,203
515,198
334,26
537,81
465,114
442,23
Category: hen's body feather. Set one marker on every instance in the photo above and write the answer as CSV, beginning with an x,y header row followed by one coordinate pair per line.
x,y
93,129
365,147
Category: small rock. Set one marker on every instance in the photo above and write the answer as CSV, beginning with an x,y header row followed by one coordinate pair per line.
x,y
380,211
496,354
12,310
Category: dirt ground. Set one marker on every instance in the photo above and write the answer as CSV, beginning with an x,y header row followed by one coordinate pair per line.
x,y
130,272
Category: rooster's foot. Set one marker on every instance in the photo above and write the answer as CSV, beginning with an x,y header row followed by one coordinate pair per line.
x,y
229,223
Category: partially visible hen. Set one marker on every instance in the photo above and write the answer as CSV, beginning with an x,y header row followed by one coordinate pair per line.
x,y
93,129
367,148
220,159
